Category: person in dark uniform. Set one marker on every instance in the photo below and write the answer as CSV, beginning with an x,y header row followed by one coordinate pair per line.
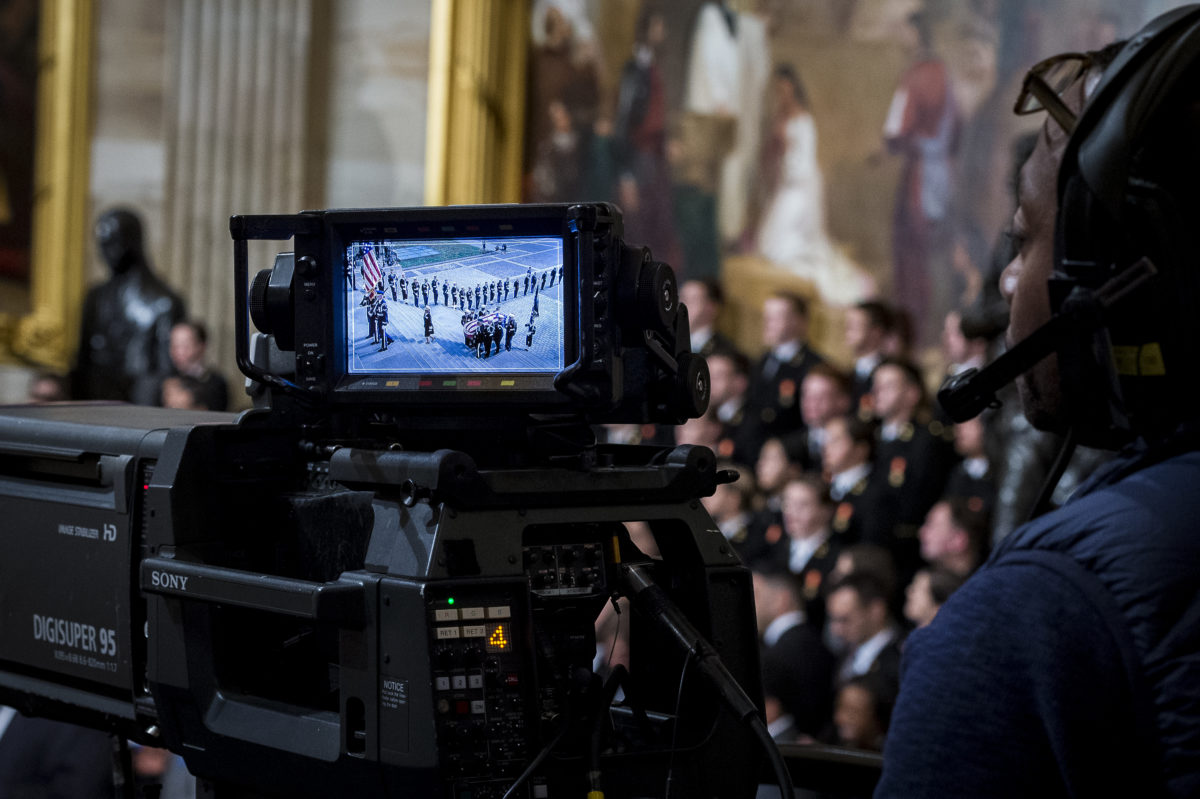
x,y
796,665
775,385
915,452
368,302
497,335
506,289
425,292
552,271
704,300
729,382
510,329
974,477
454,296
809,548
485,338
530,330
391,279
536,296
445,293
526,281
824,395
543,280
866,330
381,318
478,295
866,507
860,616
403,289
428,326
350,277
433,284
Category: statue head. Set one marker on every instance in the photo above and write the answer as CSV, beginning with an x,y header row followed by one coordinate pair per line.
x,y
119,238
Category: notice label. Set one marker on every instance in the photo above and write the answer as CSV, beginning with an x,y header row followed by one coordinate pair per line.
x,y
393,693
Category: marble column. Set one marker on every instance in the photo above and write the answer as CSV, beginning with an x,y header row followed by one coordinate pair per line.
x,y
237,133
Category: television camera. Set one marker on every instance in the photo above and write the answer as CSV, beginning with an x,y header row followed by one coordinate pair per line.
x,y
384,580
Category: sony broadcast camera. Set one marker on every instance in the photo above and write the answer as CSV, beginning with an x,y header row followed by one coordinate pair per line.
x,y
385,580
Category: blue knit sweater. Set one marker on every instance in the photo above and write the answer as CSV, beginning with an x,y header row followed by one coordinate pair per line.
x,y
1069,665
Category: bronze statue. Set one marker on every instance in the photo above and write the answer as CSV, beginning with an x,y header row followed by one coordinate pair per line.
x,y
124,345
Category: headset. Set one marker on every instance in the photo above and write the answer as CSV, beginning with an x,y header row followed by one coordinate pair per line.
x,y
1125,289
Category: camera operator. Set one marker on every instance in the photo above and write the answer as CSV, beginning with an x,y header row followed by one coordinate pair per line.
x,y
1067,666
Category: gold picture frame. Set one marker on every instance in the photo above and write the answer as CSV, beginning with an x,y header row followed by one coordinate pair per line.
x,y
46,335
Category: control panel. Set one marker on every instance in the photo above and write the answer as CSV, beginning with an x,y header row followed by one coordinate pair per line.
x,y
565,569
483,682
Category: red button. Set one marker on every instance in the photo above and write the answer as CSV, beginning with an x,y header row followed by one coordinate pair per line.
x,y
462,708
512,680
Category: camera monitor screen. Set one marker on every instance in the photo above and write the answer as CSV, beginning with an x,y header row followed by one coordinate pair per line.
x,y
484,313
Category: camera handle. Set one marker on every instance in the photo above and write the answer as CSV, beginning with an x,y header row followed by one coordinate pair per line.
x,y
262,227
341,601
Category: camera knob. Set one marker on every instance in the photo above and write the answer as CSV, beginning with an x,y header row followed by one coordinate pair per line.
x,y
258,301
657,297
692,385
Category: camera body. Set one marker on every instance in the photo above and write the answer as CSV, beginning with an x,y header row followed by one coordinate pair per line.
x,y
316,621
348,591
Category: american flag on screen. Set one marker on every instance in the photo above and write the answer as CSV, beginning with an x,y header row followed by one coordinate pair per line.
x,y
370,268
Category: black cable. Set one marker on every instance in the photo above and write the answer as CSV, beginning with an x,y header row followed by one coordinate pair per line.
x,y
675,727
537,761
648,598
778,765
1056,472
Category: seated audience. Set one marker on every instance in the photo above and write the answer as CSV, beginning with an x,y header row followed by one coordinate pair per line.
x,y
954,536
866,508
189,343
809,549
928,591
862,711
729,382
914,453
974,476
875,560
797,668
772,471
824,395
859,615
775,381
705,300
183,392
866,330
